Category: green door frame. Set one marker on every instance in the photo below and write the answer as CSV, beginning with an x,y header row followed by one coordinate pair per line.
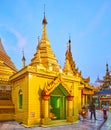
x,y
58,102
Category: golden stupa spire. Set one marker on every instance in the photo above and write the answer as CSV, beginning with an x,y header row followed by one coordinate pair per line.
x,y
44,55
5,61
69,66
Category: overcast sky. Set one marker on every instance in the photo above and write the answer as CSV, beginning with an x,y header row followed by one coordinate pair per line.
x,y
87,22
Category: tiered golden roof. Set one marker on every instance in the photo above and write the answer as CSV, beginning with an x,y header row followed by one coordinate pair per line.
x,y
106,79
45,58
69,66
44,55
7,68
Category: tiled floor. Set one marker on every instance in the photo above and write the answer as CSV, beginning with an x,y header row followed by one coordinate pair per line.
x,y
80,125
107,124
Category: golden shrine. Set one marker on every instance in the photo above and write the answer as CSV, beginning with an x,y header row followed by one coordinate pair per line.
x,y
42,92
7,69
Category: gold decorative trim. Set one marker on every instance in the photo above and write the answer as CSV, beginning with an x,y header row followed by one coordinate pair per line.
x,y
49,87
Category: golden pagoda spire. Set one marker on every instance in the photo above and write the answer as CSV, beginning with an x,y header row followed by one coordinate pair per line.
x,y
44,55
7,67
69,66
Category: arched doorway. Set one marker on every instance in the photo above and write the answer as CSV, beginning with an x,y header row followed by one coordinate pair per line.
x,y
58,103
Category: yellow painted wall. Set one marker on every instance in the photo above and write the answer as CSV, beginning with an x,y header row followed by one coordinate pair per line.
x,y
34,103
21,115
35,107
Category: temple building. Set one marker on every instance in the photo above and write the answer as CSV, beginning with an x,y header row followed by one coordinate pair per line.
x,y
43,93
103,96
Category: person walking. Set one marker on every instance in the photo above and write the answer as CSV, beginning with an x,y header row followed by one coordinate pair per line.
x,y
92,109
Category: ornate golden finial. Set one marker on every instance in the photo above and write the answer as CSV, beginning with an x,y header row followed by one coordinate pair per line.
x,y
107,70
23,59
44,20
69,45
69,38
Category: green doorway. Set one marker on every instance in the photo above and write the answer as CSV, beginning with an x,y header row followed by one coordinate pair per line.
x,y
58,103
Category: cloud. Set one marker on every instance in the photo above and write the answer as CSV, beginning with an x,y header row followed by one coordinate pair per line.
x,y
21,40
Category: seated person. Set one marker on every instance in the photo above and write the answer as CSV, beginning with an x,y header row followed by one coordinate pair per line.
x,y
52,116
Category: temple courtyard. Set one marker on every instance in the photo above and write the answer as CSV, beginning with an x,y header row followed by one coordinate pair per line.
x,y
85,124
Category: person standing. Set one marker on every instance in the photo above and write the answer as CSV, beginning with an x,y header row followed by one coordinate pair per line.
x,y
92,109
104,108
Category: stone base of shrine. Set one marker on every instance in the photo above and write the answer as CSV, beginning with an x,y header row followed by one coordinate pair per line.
x,y
6,113
72,118
45,121
56,123
6,117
